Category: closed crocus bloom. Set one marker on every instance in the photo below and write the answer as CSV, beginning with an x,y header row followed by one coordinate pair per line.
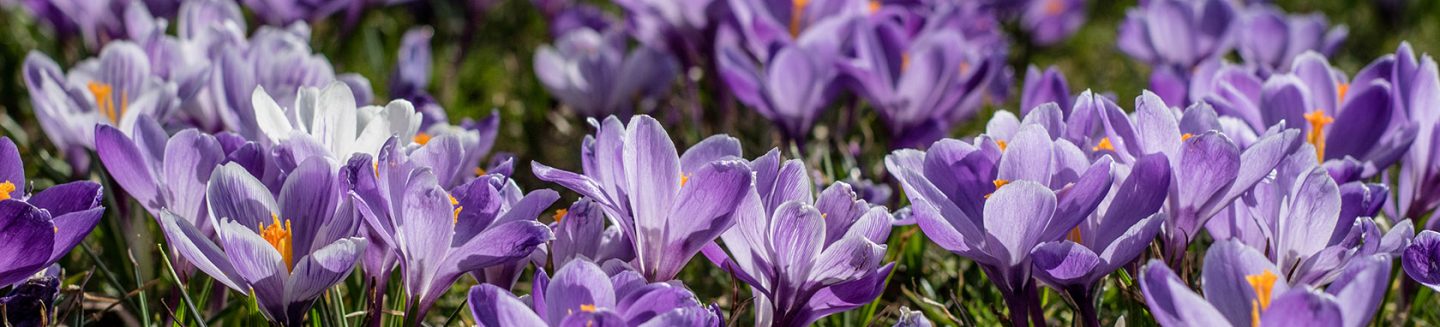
x,y
581,294
667,205
1273,38
36,230
1108,239
1417,86
771,24
115,88
284,250
278,60
922,86
791,90
590,71
1175,37
1421,257
1052,21
412,76
669,24
1048,86
437,236
93,20
1243,288
329,117
1037,189
806,257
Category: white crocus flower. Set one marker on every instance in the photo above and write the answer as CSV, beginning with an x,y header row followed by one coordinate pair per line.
x,y
330,117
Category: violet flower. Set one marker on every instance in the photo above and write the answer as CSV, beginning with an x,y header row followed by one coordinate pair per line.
x,y
791,89
1341,121
116,88
1272,39
589,71
1052,21
286,12
920,86
581,294
805,257
1175,37
37,230
667,205
412,76
1242,288
581,234
995,206
1109,239
277,60
438,236
1417,86
1048,86
32,303
285,264
1420,259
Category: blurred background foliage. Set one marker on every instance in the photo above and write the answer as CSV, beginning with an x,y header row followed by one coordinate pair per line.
x,y
492,70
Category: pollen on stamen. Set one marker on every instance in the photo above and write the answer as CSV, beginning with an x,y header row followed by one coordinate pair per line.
x,y
1001,144
422,138
458,207
5,189
1316,136
874,6
684,178
279,238
587,308
560,214
797,10
998,183
1186,137
1263,284
1104,145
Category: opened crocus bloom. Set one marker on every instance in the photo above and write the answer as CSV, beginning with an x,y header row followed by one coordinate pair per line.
x,y
284,251
805,257
635,173
581,294
36,230
1242,288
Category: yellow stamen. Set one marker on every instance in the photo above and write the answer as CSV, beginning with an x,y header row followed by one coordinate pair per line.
x,y
684,178
1316,136
376,165
874,6
1075,235
1104,145
479,171
279,238
797,10
5,189
1186,137
1054,7
587,308
456,203
1341,90
998,183
560,214
1263,283
422,138
904,61
1001,143
105,100
964,68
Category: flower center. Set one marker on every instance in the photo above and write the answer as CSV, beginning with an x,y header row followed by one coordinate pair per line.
x,y
684,178
560,214
1001,144
1054,7
874,6
5,189
1075,235
422,138
1263,283
1316,136
1103,145
280,239
1341,90
105,100
998,183
456,203
479,171
1186,137
797,9
587,308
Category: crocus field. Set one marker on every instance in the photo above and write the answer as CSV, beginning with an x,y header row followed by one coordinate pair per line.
x,y
719,162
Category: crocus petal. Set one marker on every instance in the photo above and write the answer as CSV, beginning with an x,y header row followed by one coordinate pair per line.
x,y
308,199
26,238
317,272
798,234
1028,156
1361,123
1302,308
199,250
236,195
506,242
495,307
578,283
702,211
1419,260
190,158
258,264
711,149
72,228
1064,262
653,168
127,165
11,168
66,198
1172,302
1223,279
1361,288
1015,216
1209,163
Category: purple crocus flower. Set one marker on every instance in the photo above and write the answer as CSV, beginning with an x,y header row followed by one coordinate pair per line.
x,y
919,86
1210,170
589,71
1417,87
1272,38
116,88
668,24
1342,120
412,76
1108,239
32,303
667,205
1052,21
279,13
580,233
37,230
1175,37
1048,86
1421,257
1243,288
286,261
790,89
279,61
805,257
995,206
581,294
770,25
93,20
437,236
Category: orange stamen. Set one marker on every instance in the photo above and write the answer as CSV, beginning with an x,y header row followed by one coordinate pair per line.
x,y
5,189
280,239
422,138
560,214
1186,137
998,183
1103,145
1001,144
1263,283
797,10
1316,136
